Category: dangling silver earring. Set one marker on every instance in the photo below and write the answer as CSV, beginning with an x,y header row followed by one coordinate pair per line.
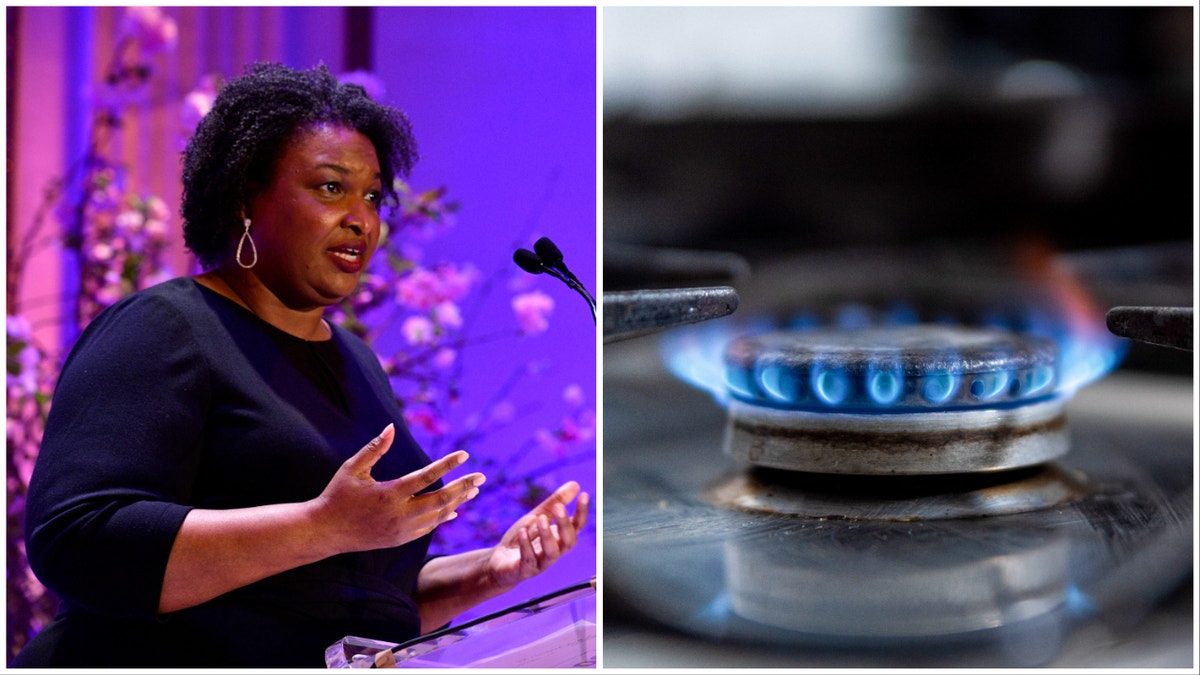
x,y
253,249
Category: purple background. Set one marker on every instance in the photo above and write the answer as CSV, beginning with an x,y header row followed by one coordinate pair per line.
x,y
503,106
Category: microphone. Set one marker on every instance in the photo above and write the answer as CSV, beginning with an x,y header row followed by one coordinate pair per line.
x,y
548,259
533,263
554,258
550,253
528,261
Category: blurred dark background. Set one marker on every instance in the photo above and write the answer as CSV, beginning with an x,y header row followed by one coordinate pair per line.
x,y
768,130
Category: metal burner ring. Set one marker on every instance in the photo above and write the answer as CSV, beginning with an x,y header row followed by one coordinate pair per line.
x,y
953,441
885,498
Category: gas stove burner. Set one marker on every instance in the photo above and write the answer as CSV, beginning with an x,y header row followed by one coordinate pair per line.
x,y
868,465
986,569
918,399
880,498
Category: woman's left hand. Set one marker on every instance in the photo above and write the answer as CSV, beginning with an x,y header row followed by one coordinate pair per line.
x,y
538,538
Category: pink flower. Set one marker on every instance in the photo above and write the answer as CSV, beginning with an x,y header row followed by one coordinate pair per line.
x,y
130,220
156,208
550,442
18,327
579,428
196,104
156,231
448,316
153,30
455,282
418,289
101,251
426,420
29,358
411,252
532,310
418,330
503,412
155,278
573,395
109,294
445,357
571,430
424,289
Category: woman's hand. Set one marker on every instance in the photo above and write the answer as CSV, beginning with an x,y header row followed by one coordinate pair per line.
x,y
449,585
219,550
538,539
364,514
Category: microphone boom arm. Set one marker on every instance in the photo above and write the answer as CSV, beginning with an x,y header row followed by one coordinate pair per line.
x,y
534,263
574,285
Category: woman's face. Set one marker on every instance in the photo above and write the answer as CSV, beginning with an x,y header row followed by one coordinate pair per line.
x,y
316,223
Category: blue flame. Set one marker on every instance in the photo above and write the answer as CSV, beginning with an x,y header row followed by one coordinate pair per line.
x,y
852,316
738,382
696,353
1036,381
1079,603
884,385
939,387
830,385
717,610
1085,360
780,384
995,318
900,315
987,386
804,320
1086,352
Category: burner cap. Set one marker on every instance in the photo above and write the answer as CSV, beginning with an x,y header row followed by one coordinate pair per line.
x,y
920,399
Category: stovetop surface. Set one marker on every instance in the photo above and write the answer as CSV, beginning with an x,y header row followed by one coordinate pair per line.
x,y
1099,575
1065,585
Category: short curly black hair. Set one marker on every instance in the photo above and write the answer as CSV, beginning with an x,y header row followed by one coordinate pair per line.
x,y
232,155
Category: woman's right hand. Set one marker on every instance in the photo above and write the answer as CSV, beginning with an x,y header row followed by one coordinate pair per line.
x,y
363,514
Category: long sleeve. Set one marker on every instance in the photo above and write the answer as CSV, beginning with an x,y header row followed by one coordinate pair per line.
x,y
112,482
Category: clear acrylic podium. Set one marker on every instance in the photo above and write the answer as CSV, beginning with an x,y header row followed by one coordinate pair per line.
x,y
556,630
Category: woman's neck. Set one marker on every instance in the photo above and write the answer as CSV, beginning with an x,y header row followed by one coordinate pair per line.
x,y
247,290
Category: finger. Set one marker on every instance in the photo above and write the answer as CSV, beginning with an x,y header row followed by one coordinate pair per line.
x,y
581,511
550,544
565,527
449,498
434,510
361,462
428,475
565,493
458,492
528,555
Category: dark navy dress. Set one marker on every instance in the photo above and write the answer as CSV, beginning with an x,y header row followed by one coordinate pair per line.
x,y
178,398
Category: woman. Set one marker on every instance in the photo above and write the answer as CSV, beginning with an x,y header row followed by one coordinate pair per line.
x,y
225,478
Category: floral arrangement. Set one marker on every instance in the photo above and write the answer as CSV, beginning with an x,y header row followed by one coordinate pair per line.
x,y
119,237
432,304
31,376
